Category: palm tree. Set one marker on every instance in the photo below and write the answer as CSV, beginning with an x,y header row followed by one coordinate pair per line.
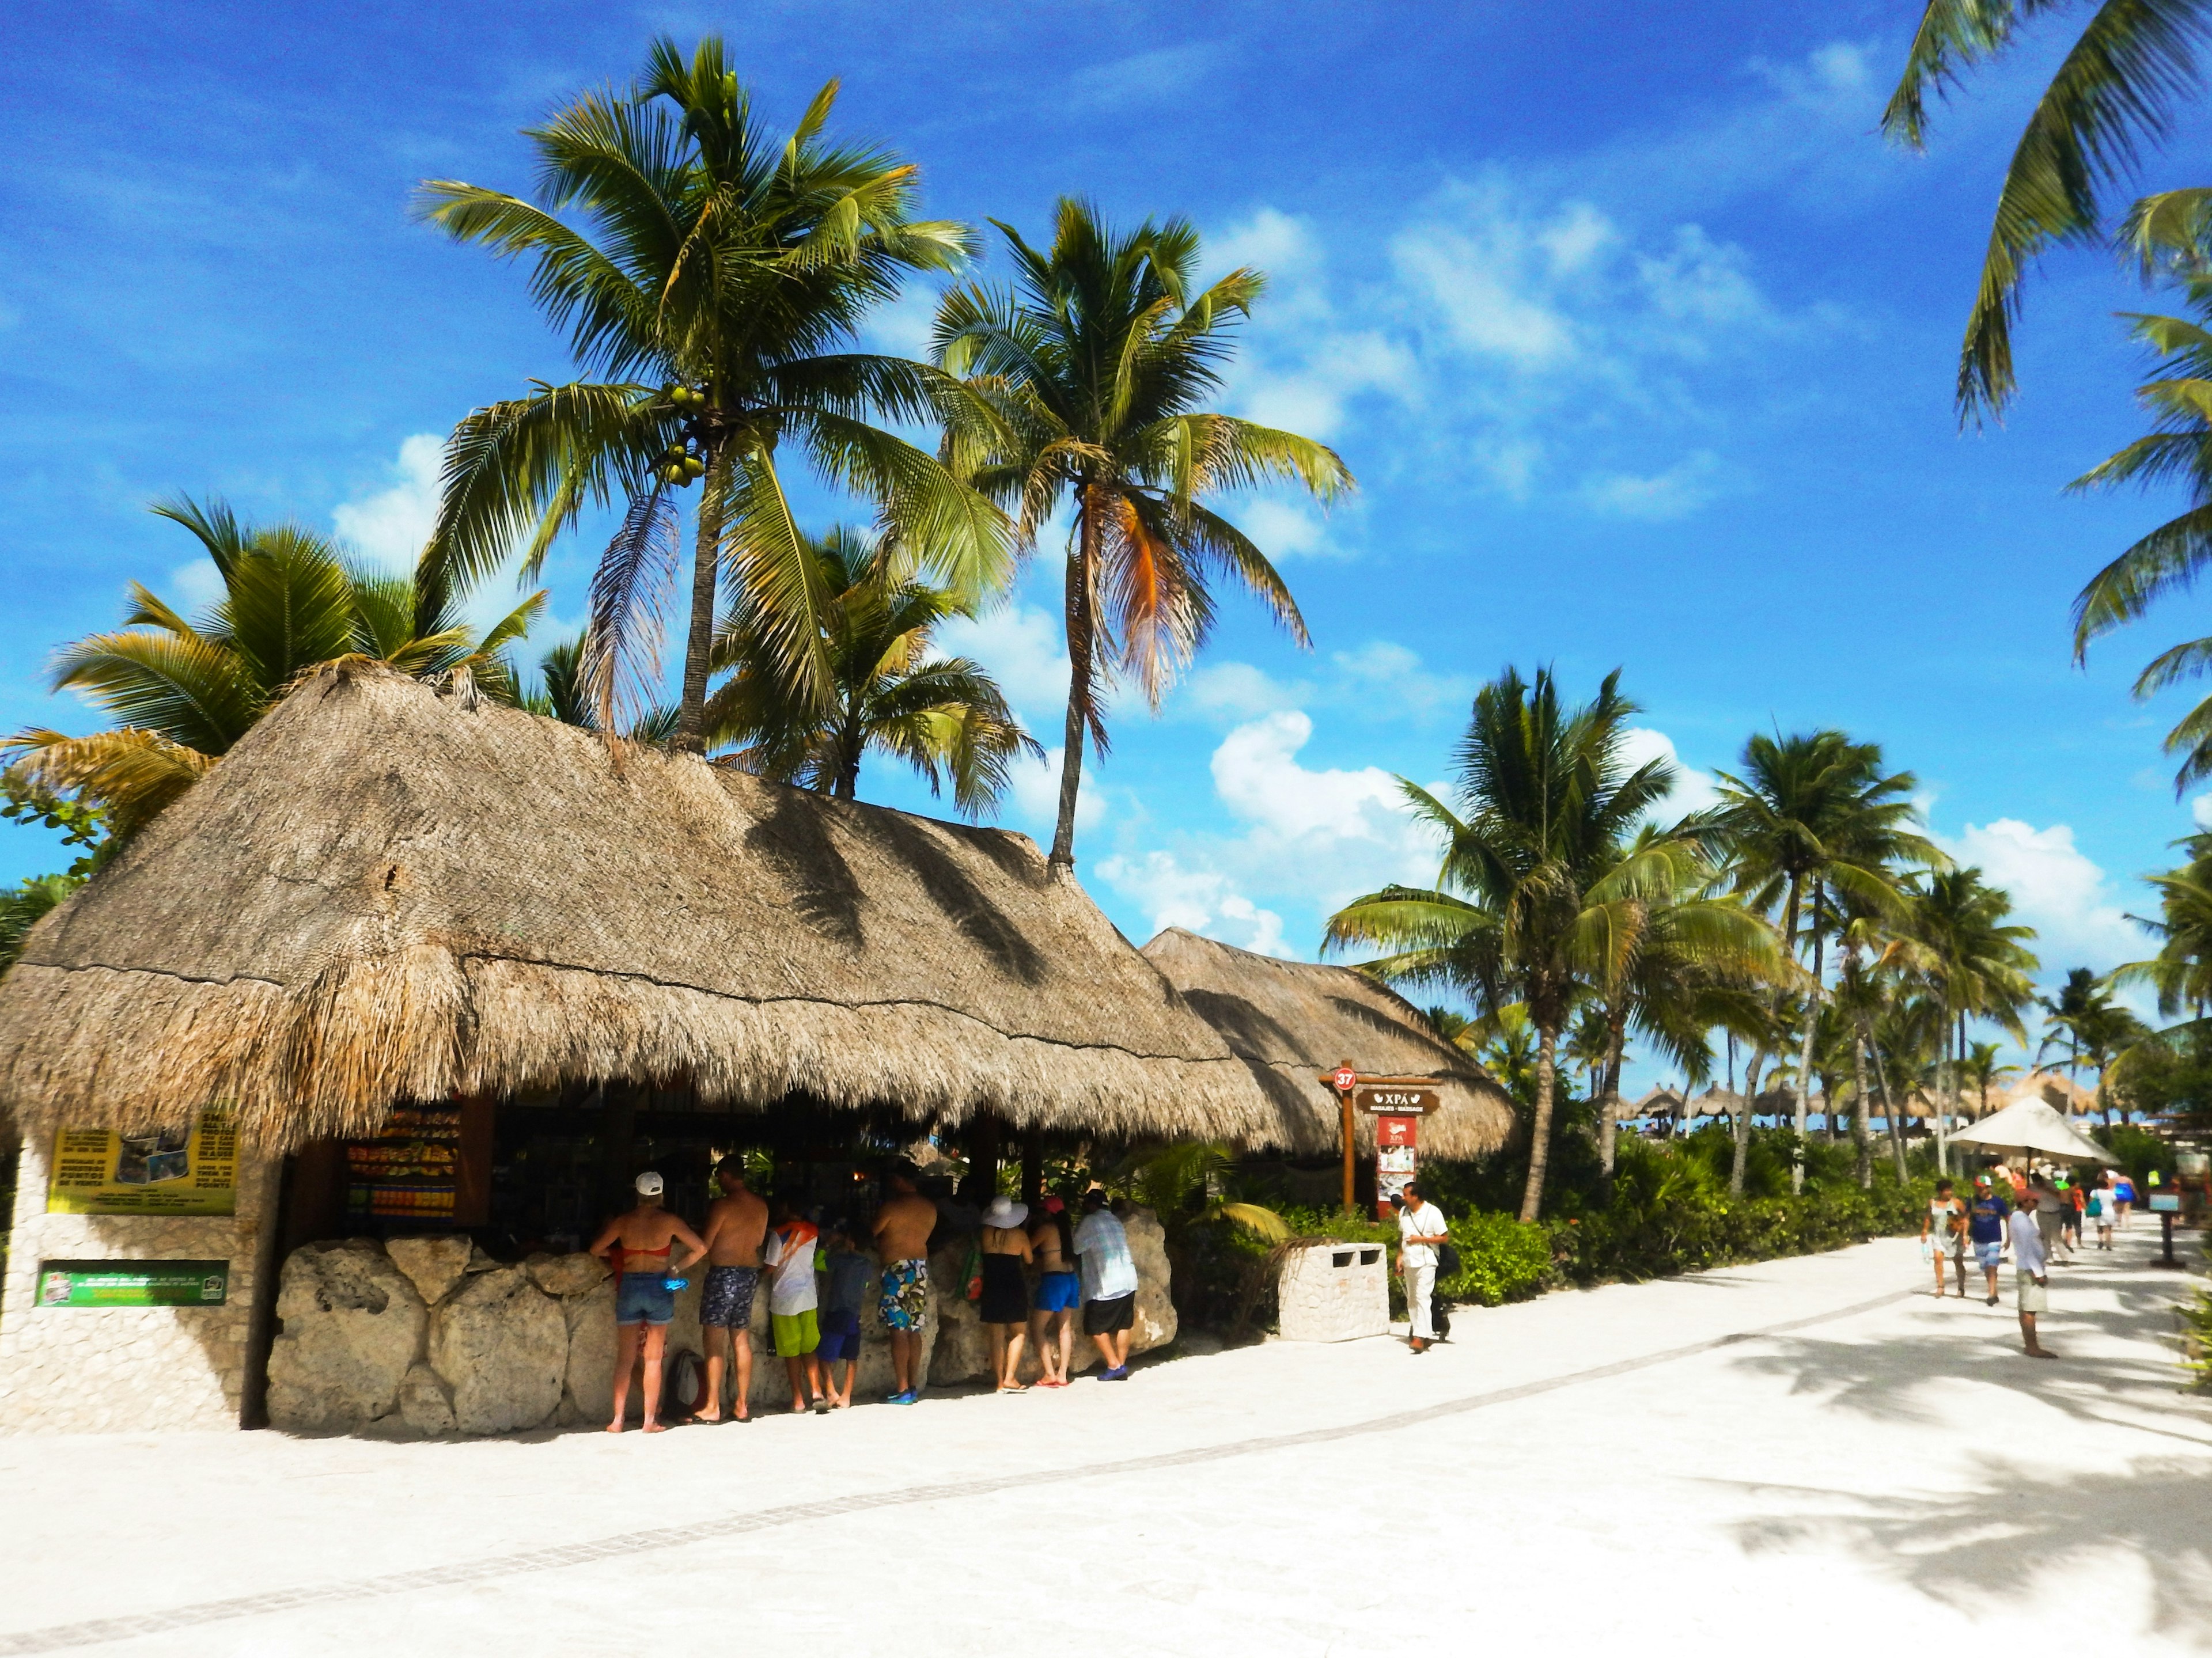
x,y
1096,364
718,276
1813,823
944,716
1535,899
1980,964
2064,1014
2118,86
2106,1037
1980,1067
2181,971
182,692
2170,558
1685,958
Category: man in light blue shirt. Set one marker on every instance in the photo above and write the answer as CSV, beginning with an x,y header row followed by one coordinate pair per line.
x,y
1109,1284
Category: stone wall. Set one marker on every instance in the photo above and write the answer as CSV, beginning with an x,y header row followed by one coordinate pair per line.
x,y
430,1337
1333,1292
105,1368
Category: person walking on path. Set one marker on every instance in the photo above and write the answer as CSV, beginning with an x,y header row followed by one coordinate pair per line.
x,y
2030,1285
901,1234
792,1298
1004,1308
2075,1198
2123,1199
637,1245
847,1277
1422,1230
2049,1208
736,1222
1940,1231
1109,1284
2102,1204
1985,1225
1059,1293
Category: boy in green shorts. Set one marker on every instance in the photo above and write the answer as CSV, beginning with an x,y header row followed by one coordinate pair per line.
x,y
789,1256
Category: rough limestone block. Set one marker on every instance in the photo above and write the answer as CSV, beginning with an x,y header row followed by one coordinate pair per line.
x,y
1333,1292
502,1347
588,1322
436,1264
352,1324
566,1275
961,1349
424,1407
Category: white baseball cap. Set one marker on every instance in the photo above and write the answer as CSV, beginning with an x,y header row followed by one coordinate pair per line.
x,y
649,1185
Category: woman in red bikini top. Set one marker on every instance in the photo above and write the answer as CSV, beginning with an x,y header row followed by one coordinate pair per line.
x,y
636,1246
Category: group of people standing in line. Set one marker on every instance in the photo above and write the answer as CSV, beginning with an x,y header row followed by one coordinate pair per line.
x,y
2037,1218
819,1280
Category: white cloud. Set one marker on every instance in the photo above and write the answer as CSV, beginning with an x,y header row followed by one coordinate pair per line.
x,y
1142,77
196,586
1283,532
2200,809
1021,647
1694,789
902,329
2056,888
1675,493
391,526
1035,788
1235,691
1202,900
1384,672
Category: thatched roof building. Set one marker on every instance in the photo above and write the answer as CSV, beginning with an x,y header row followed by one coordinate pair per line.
x,y
1291,1021
386,895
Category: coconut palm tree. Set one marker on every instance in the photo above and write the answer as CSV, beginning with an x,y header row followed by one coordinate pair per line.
x,y
2132,66
1980,964
944,716
712,284
2181,971
182,692
1535,899
2170,558
1811,823
1981,1070
1097,364
1686,955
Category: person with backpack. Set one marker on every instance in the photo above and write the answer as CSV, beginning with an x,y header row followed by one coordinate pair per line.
x,y
1422,1232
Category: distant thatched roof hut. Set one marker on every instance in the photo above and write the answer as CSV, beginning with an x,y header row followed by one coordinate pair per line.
x,y
1291,1021
385,895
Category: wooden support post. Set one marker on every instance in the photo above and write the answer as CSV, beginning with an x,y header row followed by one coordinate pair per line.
x,y
1032,1166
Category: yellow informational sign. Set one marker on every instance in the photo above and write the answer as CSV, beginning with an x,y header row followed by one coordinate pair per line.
x,y
169,1172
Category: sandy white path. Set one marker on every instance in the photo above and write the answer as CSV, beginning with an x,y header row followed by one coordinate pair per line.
x,y
1635,1464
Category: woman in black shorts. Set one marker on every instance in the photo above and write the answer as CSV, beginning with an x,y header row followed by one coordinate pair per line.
x,y
1005,1308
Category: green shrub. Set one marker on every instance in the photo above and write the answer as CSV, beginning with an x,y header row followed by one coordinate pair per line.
x,y
2197,1336
1500,1261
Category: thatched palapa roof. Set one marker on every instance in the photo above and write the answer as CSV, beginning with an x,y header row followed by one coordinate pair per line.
x,y
385,895
1291,1021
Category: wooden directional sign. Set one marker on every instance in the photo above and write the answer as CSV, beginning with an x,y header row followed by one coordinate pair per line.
x,y
1398,1099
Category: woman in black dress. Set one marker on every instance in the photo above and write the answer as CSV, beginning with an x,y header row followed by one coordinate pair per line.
x,y
1005,1307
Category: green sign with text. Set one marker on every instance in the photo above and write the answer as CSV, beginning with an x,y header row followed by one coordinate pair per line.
x,y
133,1283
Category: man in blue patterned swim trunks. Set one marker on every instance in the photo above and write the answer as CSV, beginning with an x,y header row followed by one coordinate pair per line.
x,y
901,1233
736,1223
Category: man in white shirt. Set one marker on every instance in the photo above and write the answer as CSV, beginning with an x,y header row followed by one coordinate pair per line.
x,y
1109,1284
1421,1228
2030,1285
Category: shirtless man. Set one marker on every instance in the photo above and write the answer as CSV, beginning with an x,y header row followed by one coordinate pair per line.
x,y
736,1223
637,1248
901,1232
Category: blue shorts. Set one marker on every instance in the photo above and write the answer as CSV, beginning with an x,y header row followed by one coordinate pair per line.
x,y
1989,1253
840,1336
1058,1292
644,1298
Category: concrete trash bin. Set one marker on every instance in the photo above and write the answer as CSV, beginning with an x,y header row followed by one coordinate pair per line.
x,y
1333,1292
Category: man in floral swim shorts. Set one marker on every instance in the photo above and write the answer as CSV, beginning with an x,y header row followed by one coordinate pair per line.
x,y
901,1233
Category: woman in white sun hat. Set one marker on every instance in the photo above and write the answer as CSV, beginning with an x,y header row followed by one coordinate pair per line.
x,y
1005,1307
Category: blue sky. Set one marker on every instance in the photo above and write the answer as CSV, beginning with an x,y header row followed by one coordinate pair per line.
x,y
1637,338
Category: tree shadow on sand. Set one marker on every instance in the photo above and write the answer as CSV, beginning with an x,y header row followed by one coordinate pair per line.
x,y
1980,1549
1972,1550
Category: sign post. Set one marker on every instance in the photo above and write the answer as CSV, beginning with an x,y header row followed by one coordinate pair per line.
x,y
1397,1104
1344,1079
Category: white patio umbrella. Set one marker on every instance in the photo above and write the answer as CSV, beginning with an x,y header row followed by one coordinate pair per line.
x,y
2032,1125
